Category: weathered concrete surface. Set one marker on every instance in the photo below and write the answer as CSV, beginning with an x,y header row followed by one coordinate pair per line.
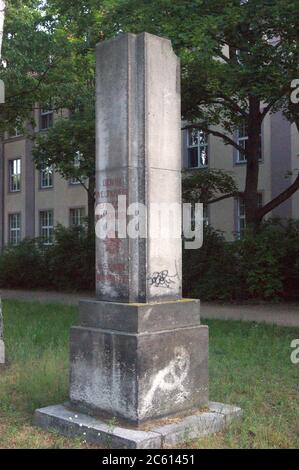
x,y
111,435
138,155
2,347
139,318
152,360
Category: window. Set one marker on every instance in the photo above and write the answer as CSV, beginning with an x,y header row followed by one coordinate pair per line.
x,y
14,229
242,136
197,142
77,216
16,132
205,216
14,169
242,141
241,214
46,226
77,164
46,176
46,119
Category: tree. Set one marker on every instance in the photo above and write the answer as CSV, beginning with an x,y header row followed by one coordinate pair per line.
x,y
75,28
28,64
238,62
71,137
208,186
49,50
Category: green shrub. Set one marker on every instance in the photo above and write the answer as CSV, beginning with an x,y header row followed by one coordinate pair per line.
x,y
212,273
72,259
68,264
262,265
23,266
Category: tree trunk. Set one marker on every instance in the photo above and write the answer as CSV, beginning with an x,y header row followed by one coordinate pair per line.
x,y
91,204
252,168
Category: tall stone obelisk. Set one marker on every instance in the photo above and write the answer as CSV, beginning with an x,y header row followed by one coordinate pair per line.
x,y
140,351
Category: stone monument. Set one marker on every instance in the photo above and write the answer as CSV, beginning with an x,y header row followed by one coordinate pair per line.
x,y
140,354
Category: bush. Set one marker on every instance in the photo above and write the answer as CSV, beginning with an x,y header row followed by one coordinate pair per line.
x,y
72,260
212,273
68,264
23,266
263,265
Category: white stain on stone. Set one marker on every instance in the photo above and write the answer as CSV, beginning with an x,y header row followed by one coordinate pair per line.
x,y
169,380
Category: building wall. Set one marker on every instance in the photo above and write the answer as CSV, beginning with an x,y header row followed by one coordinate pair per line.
x,y
280,156
14,202
32,199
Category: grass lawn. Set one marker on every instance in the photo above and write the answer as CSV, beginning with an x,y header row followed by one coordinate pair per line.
x,y
250,366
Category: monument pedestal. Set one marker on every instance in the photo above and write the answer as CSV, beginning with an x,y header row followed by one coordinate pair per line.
x,y
139,361
139,377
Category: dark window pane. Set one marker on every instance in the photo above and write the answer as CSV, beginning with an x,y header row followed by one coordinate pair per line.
x,y
193,157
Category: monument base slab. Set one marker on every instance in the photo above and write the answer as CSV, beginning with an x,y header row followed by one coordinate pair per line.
x,y
139,362
166,433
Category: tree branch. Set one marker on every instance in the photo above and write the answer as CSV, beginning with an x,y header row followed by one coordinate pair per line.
x,y
283,196
225,137
234,106
283,91
225,196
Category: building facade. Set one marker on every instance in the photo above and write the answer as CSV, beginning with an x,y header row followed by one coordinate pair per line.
x,y
32,202
279,166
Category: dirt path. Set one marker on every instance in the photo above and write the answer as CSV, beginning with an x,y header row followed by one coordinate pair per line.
x,y
284,314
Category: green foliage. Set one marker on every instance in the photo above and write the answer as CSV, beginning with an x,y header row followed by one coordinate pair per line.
x,y
59,145
211,273
262,265
71,259
206,184
68,264
23,266
235,58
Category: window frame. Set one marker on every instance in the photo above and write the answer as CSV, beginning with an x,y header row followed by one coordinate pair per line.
x,y
199,146
49,239
17,230
82,216
240,201
77,164
49,177
12,188
241,158
48,115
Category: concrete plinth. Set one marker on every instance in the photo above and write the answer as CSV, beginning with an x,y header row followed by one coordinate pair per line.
x,y
164,434
139,361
